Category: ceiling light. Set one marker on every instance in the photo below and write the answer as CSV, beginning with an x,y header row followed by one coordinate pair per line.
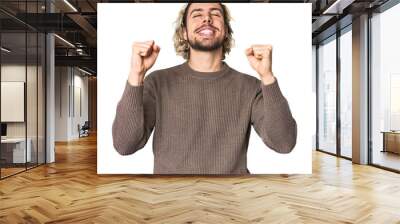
x,y
5,50
84,71
64,40
338,6
70,5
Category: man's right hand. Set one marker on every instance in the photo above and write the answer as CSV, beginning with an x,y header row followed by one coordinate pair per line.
x,y
144,55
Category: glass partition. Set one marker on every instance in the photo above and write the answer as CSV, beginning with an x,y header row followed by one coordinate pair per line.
x,y
327,95
14,153
41,107
22,67
31,100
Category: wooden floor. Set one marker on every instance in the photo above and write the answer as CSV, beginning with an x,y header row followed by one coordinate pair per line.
x,y
387,159
70,191
10,171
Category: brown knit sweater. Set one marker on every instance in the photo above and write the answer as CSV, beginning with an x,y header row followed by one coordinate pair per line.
x,y
202,120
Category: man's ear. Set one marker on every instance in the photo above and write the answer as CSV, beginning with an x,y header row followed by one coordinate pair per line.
x,y
184,33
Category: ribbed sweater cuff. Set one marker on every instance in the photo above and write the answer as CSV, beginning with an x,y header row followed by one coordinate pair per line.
x,y
272,93
132,96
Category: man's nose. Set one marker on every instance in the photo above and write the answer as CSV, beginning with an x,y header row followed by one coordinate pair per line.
x,y
207,19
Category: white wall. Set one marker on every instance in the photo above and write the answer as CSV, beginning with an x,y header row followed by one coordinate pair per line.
x,y
80,118
70,83
16,72
62,81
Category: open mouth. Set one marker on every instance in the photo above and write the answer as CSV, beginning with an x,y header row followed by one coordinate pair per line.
x,y
207,32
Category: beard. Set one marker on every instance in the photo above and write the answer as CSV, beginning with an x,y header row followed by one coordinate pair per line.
x,y
197,45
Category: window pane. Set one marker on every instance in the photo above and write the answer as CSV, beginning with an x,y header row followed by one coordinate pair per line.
x,y
346,94
41,98
14,153
327,96
386,88
31,99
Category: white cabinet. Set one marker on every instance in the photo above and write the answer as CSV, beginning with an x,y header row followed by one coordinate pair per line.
x,y
18,145
12,101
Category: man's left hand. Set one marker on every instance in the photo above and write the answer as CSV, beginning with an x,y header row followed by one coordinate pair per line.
x,y
260,58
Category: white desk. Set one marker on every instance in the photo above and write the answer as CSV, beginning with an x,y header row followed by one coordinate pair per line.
x,y
19,149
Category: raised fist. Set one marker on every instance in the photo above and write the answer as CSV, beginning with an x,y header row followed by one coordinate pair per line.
x,y
144,55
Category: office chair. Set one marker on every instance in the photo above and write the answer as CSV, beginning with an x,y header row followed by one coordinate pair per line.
x,y
84,130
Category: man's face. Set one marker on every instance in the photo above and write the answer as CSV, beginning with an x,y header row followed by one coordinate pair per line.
x,y
205,27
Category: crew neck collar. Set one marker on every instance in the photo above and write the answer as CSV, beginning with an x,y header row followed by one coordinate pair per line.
x,y
205,75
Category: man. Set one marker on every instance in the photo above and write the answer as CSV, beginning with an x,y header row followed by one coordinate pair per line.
x,y
202,110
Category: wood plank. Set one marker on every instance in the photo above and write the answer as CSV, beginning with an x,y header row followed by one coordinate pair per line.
x,y
70,191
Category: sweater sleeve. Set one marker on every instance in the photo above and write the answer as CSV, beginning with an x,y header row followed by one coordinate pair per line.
x,y
134,119
272,119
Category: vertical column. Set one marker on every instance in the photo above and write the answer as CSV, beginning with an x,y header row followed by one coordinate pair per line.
x,y
360,90
50,92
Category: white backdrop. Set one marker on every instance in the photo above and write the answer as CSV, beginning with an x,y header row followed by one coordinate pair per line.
x,y
286,26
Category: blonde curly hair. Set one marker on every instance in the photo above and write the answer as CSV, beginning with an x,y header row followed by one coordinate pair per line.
x,y
182,46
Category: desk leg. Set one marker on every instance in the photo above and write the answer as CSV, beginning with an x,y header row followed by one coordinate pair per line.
x,y
384,142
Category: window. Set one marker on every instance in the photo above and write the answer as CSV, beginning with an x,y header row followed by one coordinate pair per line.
x,y
327,95
385,88
346,92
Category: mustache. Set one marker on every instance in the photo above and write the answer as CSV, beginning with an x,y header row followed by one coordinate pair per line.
x,y
206,26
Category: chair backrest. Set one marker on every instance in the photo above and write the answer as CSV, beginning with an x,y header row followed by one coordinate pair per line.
x,y
86,124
